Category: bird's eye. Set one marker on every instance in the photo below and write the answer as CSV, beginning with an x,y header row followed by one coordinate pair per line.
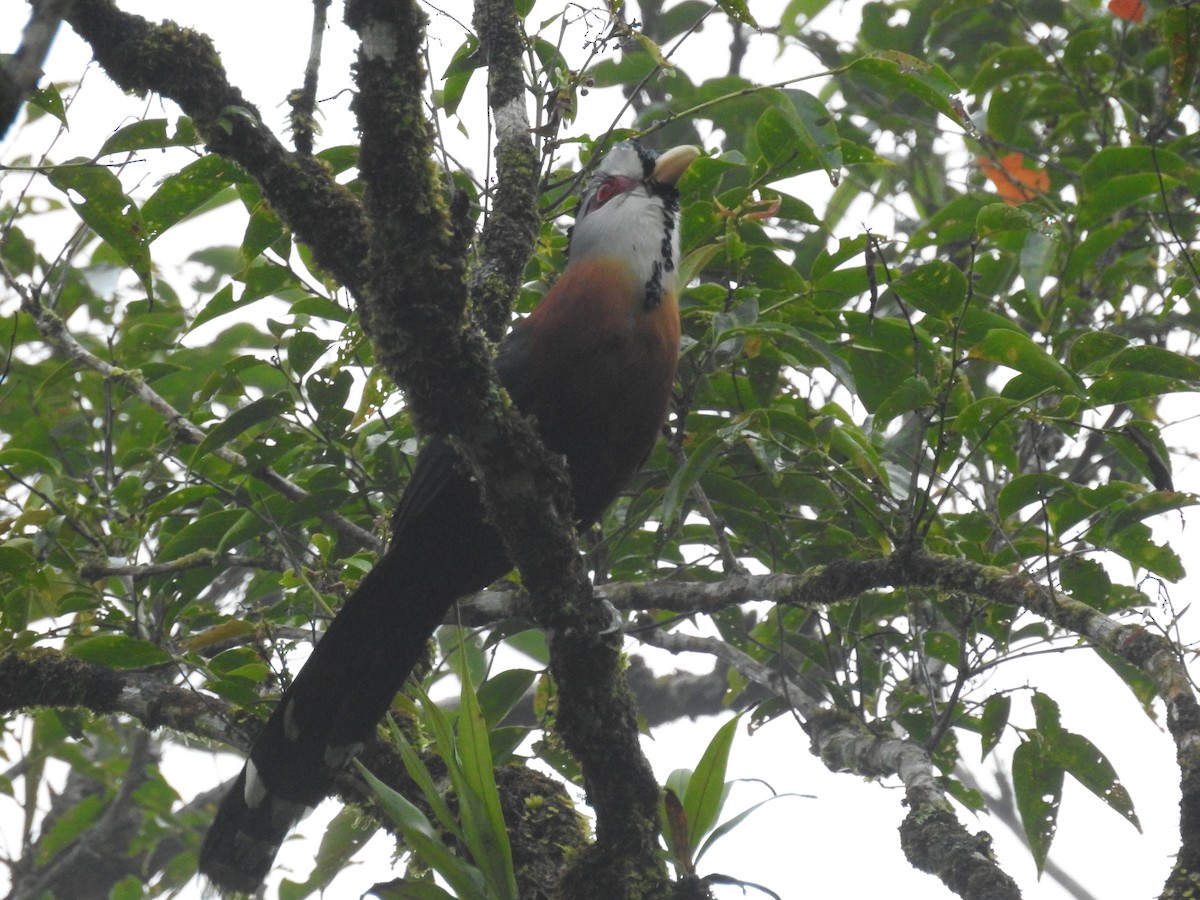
x,y
609,188
604,193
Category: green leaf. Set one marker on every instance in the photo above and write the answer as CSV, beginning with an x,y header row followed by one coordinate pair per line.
x,y
119,651
982,416
725,827
345,835
1086,580
877,371
1036,487
1091,768
410,889
1015,350
1038,257
265,229
913,393
1141,684
421,776
1005,64
105,208
467,59
998,218
1124,387
1037,785
993,722
49,100
29,461
1115,162
1145,507
206,532
419,834
697,464
812,127
739,11
1045,710
128,888
504,690
187,191
936,287
1141,444
303,350
1133,542
706,789
150,134
1156,361
693,263
944,646
487,835
329,395
240,421
70,826
928,82
1094,347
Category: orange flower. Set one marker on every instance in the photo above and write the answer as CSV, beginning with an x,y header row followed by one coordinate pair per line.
x,y
1014,181
1129,10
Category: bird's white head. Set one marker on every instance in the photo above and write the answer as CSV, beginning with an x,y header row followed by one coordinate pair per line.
x,y
630,211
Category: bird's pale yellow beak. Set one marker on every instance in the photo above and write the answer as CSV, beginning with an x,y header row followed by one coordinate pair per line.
x,y
671,164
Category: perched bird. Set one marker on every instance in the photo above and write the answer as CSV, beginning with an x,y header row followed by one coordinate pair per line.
x,y
594,364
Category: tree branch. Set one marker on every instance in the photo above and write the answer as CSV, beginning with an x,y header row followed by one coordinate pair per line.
x,y
304,100
184,66
54,331
932,837
39,677
415,304
508,236
20,73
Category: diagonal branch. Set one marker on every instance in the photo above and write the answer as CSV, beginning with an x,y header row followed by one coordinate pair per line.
x,y
20,72
1148,652
933,838
183,66
41,677
53,330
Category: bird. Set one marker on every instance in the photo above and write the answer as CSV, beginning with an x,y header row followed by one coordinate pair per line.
x,y
594,366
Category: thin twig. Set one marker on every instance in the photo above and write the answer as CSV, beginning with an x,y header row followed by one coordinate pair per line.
x,y
54,331
304,101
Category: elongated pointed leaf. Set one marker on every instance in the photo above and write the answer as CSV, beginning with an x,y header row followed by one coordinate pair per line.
x,y
675,830
1015,350
697,463
97,196
729,824
494,854
928,82
1037,783
1091,768
706,790
240,420
420,835
420,774
187,191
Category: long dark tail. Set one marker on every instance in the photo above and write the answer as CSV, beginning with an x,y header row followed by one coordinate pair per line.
x,y
441,549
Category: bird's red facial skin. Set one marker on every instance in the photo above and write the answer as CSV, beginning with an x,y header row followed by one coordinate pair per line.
x,y
609,188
